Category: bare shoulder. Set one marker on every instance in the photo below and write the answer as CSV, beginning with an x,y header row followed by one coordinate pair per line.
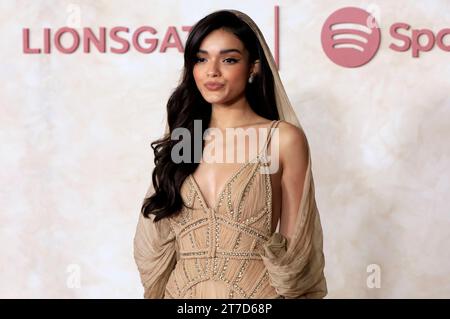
x,y
293,144
291,136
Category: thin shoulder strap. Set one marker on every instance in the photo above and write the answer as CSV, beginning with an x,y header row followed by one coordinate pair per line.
x,y
272,127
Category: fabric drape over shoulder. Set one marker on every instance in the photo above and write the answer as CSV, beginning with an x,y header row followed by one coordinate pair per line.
x,y
295,267
154,253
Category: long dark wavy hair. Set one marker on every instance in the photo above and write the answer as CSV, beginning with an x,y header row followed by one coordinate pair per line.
x,y
186,104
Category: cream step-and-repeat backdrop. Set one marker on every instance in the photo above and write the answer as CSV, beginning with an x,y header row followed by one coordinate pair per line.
x,y
76,129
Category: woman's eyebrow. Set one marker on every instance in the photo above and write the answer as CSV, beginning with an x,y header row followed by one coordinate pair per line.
x,y
222,51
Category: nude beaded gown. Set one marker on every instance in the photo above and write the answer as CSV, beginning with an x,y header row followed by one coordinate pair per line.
x,y
216,252
220,246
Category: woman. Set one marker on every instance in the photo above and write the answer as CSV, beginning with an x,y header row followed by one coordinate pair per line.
x,y
209,230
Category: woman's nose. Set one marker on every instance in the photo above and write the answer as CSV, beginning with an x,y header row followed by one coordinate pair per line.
x,y
213,69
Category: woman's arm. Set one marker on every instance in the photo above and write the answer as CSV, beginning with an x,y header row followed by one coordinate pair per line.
x,y
293,163
294,256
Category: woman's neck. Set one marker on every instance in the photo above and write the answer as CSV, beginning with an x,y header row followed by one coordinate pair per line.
x,y
229,116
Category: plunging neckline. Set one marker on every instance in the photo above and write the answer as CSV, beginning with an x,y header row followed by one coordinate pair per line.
x,y
222,189
228,180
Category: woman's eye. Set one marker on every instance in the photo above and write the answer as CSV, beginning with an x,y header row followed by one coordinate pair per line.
x,y
228,60
231,60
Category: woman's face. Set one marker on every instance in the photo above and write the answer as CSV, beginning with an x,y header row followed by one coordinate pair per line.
x,y
229,67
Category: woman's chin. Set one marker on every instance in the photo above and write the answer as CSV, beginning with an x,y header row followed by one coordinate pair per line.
x,y
212,100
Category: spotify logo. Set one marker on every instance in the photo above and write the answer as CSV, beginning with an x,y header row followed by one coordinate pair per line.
x,y
350,37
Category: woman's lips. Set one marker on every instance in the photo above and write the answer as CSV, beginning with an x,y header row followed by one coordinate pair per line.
x,y
214,87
